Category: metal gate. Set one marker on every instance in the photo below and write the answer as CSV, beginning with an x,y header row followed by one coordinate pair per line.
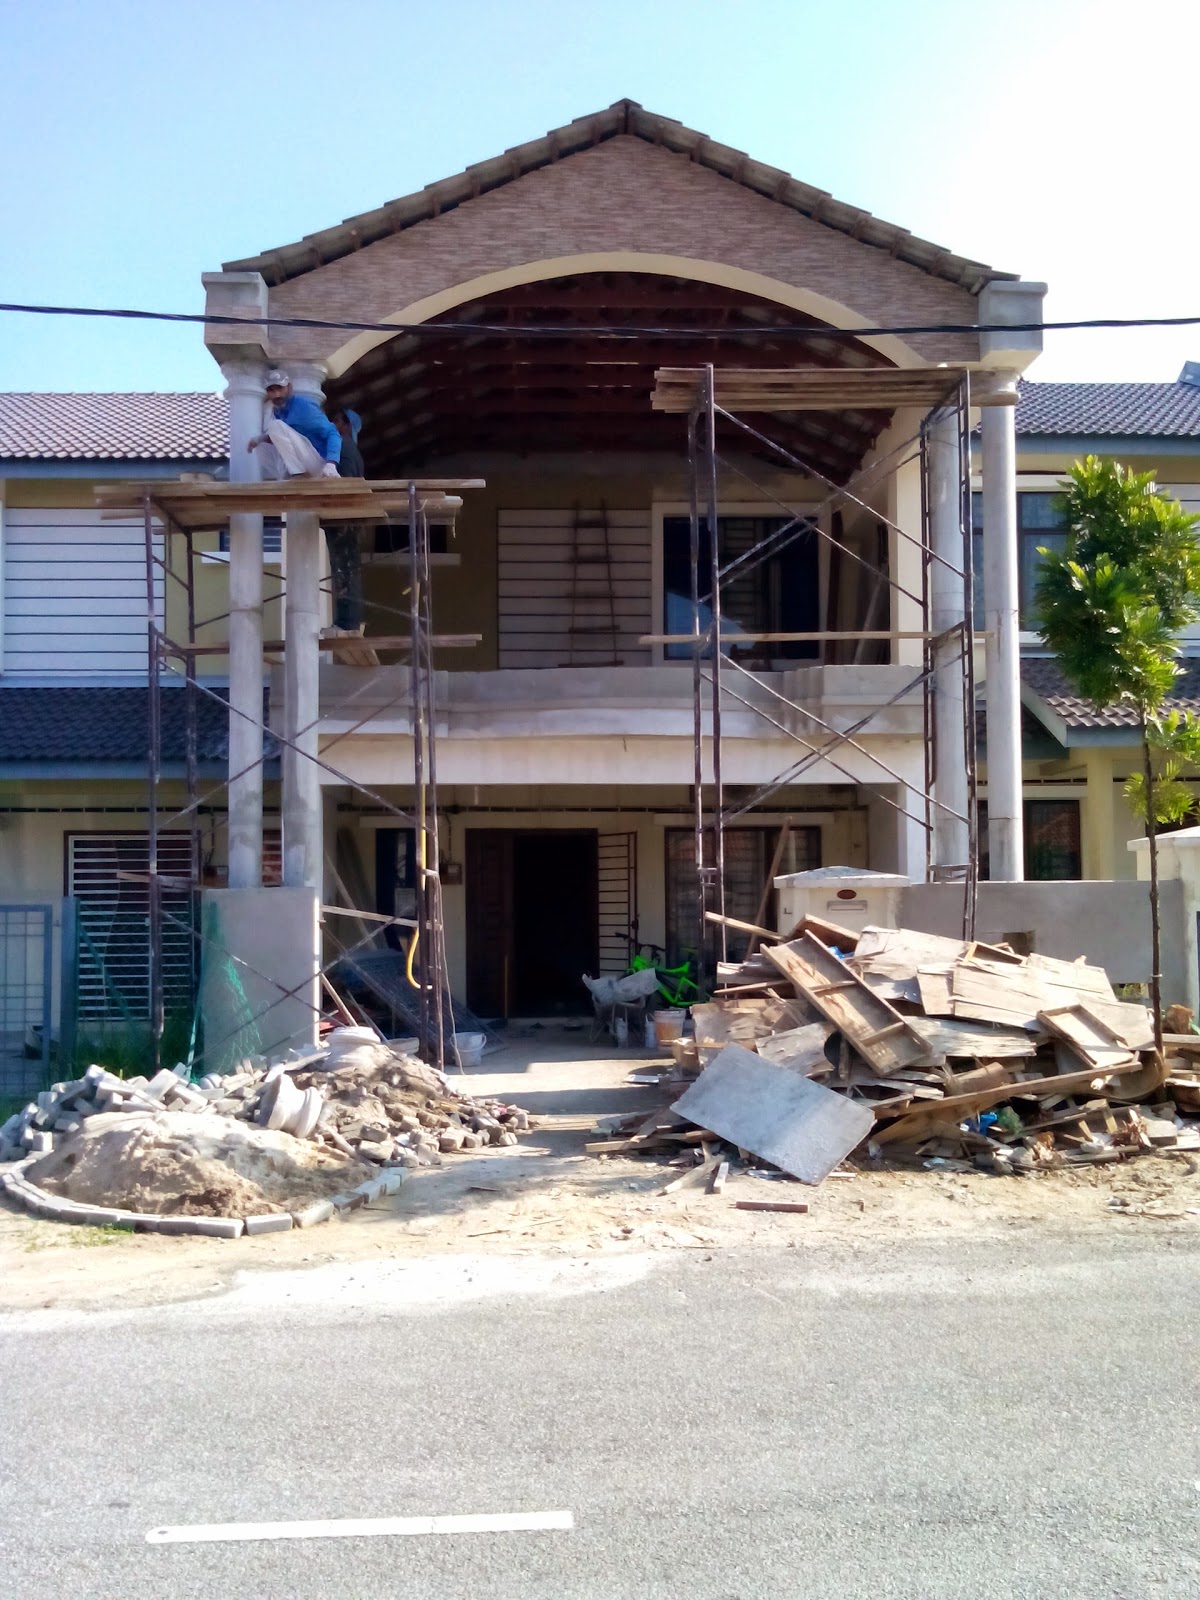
x,y
26,938
616,899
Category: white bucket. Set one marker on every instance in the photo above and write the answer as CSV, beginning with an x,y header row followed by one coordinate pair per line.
x,y
470,1048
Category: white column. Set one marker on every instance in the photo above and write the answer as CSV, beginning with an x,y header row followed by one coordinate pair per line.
x,y
302,821
244,379
1002,657
950,847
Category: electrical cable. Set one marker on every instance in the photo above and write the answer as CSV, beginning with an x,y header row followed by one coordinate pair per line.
x,y
510,330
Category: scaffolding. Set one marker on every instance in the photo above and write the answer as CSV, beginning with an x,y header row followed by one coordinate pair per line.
x,y
172,514
707,395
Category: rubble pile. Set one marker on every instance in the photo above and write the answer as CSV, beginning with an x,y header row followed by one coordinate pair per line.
x,y
322,1128
894,1043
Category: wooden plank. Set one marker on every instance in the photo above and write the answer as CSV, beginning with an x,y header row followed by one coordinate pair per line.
x,y
901,952
933,985
846,1001
720,1178
1090,1038
700,1173
799,1206
957,1107
780,1116
948,1037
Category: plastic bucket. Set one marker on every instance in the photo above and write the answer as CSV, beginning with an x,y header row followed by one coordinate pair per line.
x,y
470,1048
668,1025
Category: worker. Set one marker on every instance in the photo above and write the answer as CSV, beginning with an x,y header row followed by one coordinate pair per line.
x,y
298,440
345,538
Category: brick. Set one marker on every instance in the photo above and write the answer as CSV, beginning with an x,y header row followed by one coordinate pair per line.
x,y
319,1211
269,1222
622,195
348,1200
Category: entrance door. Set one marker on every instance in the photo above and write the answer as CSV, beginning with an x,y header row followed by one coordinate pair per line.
x,y
531,920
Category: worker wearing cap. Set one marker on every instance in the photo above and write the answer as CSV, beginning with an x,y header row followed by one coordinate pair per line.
x,y
298,440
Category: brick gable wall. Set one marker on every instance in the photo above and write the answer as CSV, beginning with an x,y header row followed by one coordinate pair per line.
x,y
624,194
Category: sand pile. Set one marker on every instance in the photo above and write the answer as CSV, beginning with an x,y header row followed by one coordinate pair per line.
x,y
183,1164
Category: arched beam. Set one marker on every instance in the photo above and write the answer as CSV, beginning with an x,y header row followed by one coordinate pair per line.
x,y
892,348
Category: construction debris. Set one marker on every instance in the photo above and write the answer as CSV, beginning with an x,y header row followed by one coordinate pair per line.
x,y
326,1123
921,1048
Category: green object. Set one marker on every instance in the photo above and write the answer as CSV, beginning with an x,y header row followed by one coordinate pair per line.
x,y
677,985
1007,1121
1111,605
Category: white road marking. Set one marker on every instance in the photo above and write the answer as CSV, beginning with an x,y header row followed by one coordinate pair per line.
x,y
366,1527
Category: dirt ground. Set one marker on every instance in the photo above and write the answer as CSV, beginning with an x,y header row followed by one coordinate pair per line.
x,y
545,1195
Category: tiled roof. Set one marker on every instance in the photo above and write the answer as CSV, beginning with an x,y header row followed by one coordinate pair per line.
x,y
622,118
1045,678
1126,410
113,427
105,723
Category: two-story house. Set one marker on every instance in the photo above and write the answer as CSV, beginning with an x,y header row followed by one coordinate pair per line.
x,y
565,733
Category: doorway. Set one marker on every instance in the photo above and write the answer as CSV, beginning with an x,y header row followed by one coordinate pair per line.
x,y
531,920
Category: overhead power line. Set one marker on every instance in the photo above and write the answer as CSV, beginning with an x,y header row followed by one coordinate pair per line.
x,y
617,333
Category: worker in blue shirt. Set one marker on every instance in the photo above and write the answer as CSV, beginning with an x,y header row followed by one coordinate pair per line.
x,y
298,440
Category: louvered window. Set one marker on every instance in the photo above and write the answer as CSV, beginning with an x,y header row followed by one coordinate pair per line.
x,y
107,875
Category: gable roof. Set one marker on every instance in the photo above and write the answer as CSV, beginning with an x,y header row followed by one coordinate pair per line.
x,y
1125,410
629,118
113,427
1048,686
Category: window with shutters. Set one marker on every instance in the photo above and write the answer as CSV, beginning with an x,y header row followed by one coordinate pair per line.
x,y
748,854
107,875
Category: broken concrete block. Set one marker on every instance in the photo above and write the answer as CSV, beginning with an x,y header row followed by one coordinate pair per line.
x,y
38,1143
319,1211
348,1200
392,1180
269,1222
451,1139
377,1149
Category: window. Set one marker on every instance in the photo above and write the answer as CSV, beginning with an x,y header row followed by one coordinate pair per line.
x,y
272,537
748,855
106,873
1039,524
780,594
1052,844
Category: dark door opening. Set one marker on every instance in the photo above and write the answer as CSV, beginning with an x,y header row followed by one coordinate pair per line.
x,y
531,921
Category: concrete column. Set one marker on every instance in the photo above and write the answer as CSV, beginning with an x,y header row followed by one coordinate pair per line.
x,y
1099,819
946,608
1002,649
302,820
244,391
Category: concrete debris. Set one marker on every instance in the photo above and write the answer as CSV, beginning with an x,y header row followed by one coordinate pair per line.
x,y
950,1054
300,1139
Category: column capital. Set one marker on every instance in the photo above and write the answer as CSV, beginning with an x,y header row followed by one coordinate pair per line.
x,y
241,296
244,374
308,377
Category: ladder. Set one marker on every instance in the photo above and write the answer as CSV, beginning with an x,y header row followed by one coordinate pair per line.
x,y
592,638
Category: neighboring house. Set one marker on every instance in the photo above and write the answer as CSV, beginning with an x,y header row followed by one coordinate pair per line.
x,y
1077,823
565,758
73,699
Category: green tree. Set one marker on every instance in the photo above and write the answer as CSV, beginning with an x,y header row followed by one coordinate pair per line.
x,y
1111,605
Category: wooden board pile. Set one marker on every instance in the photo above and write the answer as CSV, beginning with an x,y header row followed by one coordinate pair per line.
x,y
900,1043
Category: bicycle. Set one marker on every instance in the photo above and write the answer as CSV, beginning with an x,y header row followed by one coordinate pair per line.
x,y
676,985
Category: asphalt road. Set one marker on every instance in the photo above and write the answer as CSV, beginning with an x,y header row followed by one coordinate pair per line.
x,y
1000,1418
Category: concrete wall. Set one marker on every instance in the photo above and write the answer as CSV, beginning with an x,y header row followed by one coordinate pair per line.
x,y
1109,923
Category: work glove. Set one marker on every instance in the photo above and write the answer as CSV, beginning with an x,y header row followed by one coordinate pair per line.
x,y
329,470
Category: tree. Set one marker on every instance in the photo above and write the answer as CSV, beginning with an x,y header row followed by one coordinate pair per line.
x,y
1111,605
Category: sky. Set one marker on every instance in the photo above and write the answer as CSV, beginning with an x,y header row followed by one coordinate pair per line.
x,y
148,142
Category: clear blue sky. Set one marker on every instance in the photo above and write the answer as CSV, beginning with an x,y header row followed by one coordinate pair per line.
x,y
150,140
